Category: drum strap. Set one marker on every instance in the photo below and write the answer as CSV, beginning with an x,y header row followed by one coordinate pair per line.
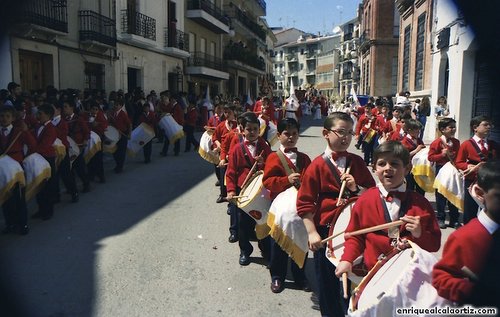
x,y
402,210
245,152
333,169
478,150
285,164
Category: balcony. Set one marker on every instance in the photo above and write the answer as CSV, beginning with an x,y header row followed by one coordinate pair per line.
x,y
243,58
346,76
243,23
347,37
204,65
364,41
291,58
96,28
49,16
208,15
403,5
176,43
135,24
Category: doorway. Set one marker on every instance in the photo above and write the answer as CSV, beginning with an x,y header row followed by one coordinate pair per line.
x,y
133,78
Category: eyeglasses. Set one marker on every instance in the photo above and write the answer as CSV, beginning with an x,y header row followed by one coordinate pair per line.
x,y
342,133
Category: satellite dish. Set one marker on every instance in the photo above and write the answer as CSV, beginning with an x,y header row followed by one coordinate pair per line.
x,y
336,30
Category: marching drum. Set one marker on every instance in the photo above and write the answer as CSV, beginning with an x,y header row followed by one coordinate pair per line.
x,y
286,227
272,133
141,135
11,173
449,182
60,151
423,170
335,247
111,137
255,201
262,126
94,145
173,130
205,150
73,150
400,279
36,170
369,135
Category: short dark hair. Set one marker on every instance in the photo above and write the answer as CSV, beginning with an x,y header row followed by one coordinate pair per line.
x,y
489,175
287,123
229,106
395,148
412,124
47,109
443,123
12,85
248,117
334,117
9,109
476,121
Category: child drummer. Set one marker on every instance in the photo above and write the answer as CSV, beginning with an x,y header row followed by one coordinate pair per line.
x,y
391,200
317,199
251,151
284,169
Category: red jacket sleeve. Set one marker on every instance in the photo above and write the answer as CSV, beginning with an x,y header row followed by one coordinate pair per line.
x,y
46,140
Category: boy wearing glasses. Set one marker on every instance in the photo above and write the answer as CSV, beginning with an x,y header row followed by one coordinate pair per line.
x,y
317,199
471,155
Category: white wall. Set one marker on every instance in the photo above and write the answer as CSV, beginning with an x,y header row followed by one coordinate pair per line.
x,y
5,62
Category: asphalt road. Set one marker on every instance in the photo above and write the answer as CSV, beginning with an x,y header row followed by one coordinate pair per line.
x,y
149,242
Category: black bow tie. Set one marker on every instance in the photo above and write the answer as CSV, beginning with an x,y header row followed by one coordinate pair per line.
x,y
247,143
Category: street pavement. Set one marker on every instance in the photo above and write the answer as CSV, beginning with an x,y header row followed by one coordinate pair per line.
x,y
149,242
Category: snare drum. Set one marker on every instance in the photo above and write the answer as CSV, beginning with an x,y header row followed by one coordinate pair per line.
x,y
287,228
140,136
400,279
369,135
173,130
424,172
94,145
111,137
256,202
205,150
335,247
11,174
36,170
450,183
73,150
262,126
272,133
60,151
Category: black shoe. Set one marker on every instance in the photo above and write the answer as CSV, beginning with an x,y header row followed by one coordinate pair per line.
x,y
276,286
221,199
304,285
442,224
244,260
75,198
315,300
24,230
455,225
217,183
232,238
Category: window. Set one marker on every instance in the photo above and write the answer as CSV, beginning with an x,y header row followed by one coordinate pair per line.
x,y
394,75
94,76
419,57
406,58
301,51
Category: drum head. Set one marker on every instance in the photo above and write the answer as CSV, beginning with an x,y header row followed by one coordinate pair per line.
x,y
111,133
252,189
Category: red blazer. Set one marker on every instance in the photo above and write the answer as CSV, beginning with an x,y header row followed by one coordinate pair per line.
x,y
46,140
149,118
257,108
409,145
368,211
383,125
30,121
319,189
468,246
191,117
275,178
467,154
231,139
62,130
361,127
177,112
436,149
238,167
78,129
120,121
100,124
396,134
214,121
16,151
221,131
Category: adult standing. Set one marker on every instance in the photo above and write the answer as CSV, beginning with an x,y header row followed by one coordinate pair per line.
x,y
424,110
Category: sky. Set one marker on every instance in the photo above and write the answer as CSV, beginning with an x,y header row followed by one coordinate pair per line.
x,y
311,16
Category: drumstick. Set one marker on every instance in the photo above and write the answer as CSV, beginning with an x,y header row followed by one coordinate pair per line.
x,y
250,173
342,188
469,274
236,197
344,284
448,156
12,143
374,228
333,236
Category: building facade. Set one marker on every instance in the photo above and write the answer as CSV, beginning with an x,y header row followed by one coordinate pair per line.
x,y
378,47
348,58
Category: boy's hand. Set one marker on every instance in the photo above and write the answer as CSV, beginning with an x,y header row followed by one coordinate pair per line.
x,y
420,146
222,163
259,159
230,195
314,241
293,178
350,182
413,225
343,267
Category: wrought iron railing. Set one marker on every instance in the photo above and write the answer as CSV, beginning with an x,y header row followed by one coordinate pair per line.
x,y
137,23
97,27
245,56
206,60
176,38
242,17
210,8
262,4
51,14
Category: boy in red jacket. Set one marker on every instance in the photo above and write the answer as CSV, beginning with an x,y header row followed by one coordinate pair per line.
x,y
317,199
148,117
414,144
441,151
284,169
12,141
120,120
252,149
98,123
189,126
471,155
389,201
469,247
